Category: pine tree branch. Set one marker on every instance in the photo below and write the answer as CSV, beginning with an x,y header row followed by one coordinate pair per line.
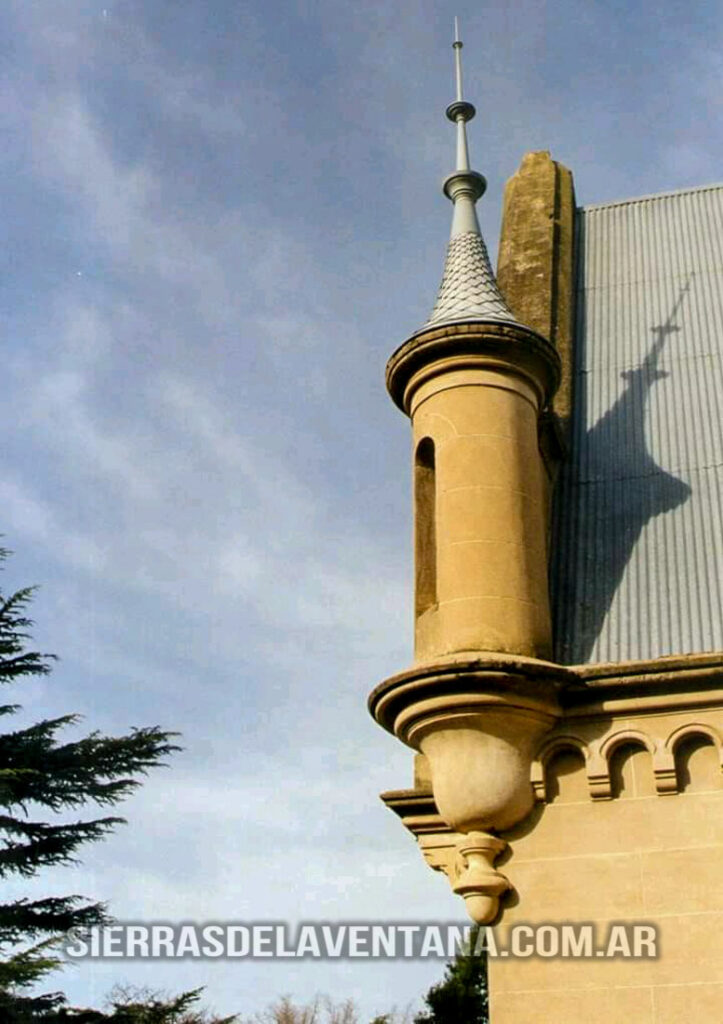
x,y
47,844
26,919
98,768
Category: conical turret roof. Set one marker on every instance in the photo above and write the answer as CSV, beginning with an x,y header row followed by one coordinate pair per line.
x,y
468,290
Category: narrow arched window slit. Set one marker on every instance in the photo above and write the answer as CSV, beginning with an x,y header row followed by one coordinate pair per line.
x,y
425,526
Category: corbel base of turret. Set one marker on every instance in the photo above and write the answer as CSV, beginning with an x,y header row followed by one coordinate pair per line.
x,y
657,705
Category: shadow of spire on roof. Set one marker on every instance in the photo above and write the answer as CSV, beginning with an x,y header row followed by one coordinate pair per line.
x,y
627,488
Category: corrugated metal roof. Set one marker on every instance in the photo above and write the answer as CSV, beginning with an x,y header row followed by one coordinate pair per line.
x,y
638,559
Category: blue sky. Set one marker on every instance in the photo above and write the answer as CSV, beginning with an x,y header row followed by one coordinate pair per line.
x,y
220,219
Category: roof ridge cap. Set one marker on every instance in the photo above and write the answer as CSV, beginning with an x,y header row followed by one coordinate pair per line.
x,y
586,207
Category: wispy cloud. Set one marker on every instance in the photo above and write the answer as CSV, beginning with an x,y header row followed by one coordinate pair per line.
x,y
221,220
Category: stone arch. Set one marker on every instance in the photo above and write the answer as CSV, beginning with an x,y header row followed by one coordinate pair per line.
x,y
550,750
627,736
694,729
627,776
688,746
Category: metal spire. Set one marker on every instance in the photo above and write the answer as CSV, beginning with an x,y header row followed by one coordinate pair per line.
x,y
459,111
468,290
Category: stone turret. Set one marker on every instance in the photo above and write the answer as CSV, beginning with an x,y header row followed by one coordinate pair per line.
x,y
622,757
475,383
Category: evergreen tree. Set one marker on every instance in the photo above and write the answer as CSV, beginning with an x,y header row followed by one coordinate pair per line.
x,y
462,994
40,775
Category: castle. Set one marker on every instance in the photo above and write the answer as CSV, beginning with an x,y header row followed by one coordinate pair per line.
x,y
566,698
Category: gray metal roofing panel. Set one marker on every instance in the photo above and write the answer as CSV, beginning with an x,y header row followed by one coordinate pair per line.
x,y
638,555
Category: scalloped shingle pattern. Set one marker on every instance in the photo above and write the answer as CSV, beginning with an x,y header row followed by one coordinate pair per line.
x,y
468,290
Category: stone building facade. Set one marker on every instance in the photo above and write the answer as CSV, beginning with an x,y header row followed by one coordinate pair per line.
x,y
566,698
